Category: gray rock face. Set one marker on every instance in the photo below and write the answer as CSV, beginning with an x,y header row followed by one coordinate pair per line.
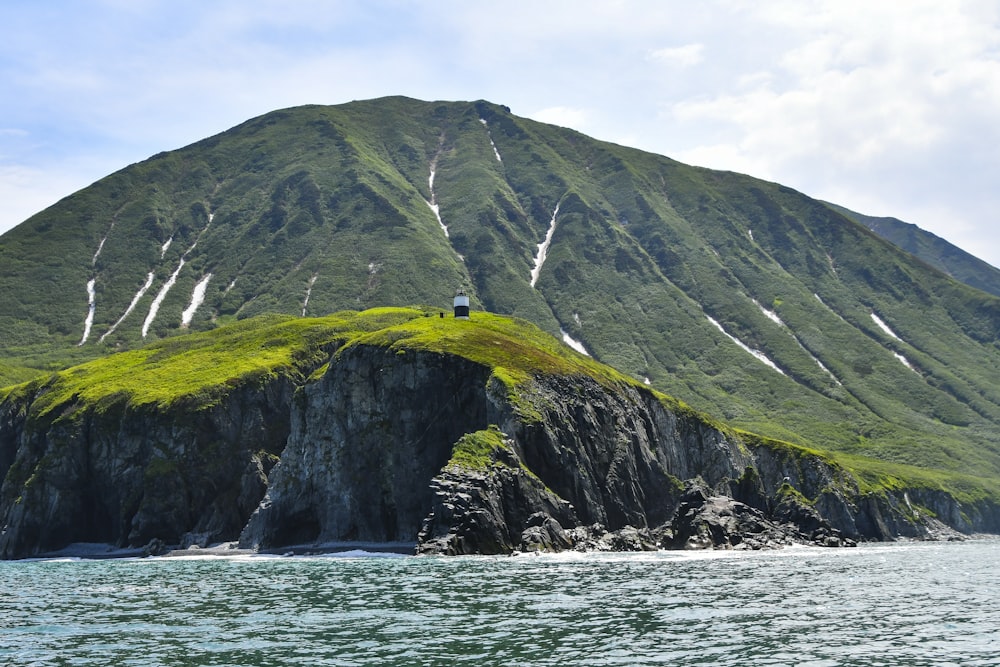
x,y
366,456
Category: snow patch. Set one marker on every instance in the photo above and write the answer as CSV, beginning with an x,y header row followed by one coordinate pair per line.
x,y
165,246
490,135
128,311
154,307
760,356
576,318
750,234
229,287
903,360
197,298
97,253
770,314
543,248
825,369
773,316
884,327
646,381
573,343
309,289
433,202
91,309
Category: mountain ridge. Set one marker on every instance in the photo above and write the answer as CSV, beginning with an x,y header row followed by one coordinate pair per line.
x,y
937,252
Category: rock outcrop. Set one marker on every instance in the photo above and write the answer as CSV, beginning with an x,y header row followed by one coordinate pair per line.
x,y
368,452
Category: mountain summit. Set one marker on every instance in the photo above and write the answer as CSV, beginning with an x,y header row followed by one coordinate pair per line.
x,y
744,298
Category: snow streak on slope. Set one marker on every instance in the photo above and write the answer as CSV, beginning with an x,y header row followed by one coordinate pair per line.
x,y
154,307
573,343
91,308
543,248
197,298
433,203
490,135
892,334
884,327
128,311
309,289
163,248
760,356
906,362
88,322
773,316
100,247
770,314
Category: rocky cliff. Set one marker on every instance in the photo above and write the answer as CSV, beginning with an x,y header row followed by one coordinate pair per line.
x,y
384,437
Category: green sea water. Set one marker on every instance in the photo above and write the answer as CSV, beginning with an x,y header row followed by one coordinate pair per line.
x,y
900,604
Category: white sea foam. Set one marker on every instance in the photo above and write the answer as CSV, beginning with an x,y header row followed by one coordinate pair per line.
x,y
197,298
543,247
760,356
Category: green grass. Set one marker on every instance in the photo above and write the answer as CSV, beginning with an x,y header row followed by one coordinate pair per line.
x,y
198,369
478,450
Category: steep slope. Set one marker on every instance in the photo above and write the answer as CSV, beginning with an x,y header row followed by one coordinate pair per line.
x,y
401,426
743,298
932,249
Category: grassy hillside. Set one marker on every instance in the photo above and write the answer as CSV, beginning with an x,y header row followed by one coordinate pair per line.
x,y
743,298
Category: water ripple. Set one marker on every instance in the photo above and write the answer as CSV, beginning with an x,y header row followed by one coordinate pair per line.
x,y
918,604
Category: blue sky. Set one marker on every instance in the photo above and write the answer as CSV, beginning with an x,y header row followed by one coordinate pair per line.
x,y
889,108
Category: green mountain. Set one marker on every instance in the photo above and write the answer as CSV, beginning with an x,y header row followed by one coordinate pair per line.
x,y
931,248
743,298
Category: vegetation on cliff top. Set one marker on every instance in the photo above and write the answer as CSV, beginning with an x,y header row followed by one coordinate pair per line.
x,y
193,372
197,369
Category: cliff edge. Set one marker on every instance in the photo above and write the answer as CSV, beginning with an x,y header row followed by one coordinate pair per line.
x,y
403,426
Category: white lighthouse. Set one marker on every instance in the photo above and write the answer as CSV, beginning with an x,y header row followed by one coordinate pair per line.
x,y
461,305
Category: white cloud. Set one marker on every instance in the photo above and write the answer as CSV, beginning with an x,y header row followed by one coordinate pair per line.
x,y
886,107
679,56
563,116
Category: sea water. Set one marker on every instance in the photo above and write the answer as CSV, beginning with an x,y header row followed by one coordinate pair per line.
x,y
898,604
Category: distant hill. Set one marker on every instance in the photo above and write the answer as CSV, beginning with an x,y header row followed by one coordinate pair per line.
x,y
932,249
743,298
